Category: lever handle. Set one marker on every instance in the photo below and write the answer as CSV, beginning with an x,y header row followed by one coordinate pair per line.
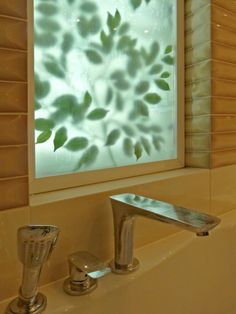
x,y
84,269
82,263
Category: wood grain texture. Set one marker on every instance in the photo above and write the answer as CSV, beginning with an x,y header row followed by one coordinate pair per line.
x,y
13,104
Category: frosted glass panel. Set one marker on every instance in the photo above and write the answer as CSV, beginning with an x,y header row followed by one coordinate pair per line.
x,y
105,83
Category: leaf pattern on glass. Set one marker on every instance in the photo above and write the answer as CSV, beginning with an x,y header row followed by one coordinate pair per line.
x,y
60,138
138,150
44,136
89,7
152,98
88,157
162,84
128,147
77,143
47,9
42,88
97,114
124,75
42,124
112,137
93,56
44,39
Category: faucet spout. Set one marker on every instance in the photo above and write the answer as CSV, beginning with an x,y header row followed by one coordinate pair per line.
x,y
127,206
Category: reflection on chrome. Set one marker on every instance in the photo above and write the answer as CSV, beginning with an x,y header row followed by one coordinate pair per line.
x,y
127,206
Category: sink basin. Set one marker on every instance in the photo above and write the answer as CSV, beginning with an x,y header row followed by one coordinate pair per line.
x,y
181,274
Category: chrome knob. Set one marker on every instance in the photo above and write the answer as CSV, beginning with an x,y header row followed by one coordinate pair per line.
x,y
35,244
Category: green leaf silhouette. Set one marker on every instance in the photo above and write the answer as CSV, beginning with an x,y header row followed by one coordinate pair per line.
x,y
134,114
47,9
97,114
77,143
44,39
117,75
59,116
88,157
156,69
37,105
93,56
78,113
44,136
128,130
156,140
60,138
94,25
112,137
113,21
135,3
48,25
65,102
109,95
141,108
42,124
124,28
168,49
168,60
119,102
126,43
122,84
150,57
87,99
89,7
146,145
154,50
152,98
138,151
54,69
106,41
134,63
68,41
143,128
162,84
83,26
128,147
42,88
119,80
165,75
142,87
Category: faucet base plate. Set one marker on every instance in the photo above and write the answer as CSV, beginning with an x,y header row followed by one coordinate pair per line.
x,y
81,288
124,269
18,306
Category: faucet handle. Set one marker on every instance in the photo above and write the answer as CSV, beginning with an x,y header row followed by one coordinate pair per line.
x,y
84,269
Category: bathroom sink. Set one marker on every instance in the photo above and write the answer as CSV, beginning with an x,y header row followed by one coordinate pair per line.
x,y
181,274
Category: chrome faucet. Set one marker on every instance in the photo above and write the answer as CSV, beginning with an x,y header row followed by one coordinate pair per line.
x,y
84,269
35,245
127,206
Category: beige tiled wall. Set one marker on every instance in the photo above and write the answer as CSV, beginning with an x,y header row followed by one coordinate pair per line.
x,y
210,83
224,83
198,83
13,104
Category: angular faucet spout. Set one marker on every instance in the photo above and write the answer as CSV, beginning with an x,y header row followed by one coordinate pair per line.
x,y
127,206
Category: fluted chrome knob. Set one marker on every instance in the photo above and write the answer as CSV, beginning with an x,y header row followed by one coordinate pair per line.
x,y
35,244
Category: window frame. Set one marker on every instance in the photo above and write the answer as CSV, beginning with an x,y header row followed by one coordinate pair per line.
x,y
59,182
